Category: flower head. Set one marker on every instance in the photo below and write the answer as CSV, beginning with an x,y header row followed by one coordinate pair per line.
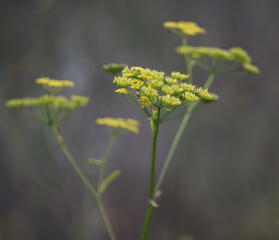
x,y
240,55
185,28
55,107
119,125
236,56
152,89
198,52
54,83
49,101
251,68
205,96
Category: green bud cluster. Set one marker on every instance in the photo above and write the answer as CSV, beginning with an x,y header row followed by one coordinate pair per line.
x,y
152,88
114,68
235,54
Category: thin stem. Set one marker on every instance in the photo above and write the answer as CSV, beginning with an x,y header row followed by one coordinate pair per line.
x,y
104,165
32,116
152,174
187,60
73,163
106,220
209,81
167,114
64,114
178,135
84,179
48,115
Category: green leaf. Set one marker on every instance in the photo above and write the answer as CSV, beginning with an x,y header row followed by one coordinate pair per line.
x,y
108,181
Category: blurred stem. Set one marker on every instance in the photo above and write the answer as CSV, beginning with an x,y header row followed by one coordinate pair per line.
x,y
106,220
32,116
104,165
83,178
187,60
155,127
209,81
178,135
72,161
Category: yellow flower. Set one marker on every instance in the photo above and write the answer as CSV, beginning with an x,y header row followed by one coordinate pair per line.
x,y
179,76
198,52
122,91
190,97
171,100
206,96
144,101
118,125
170,24
186,28
240,55
152,89
171,80
46,100
54,83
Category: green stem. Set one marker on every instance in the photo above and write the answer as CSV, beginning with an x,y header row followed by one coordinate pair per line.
x,y
188,61
106,220
104,165
209,81
73,162
152,174
178,135
32,116
84,179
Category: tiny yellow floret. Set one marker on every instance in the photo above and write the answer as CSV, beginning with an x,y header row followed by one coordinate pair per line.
x,y
206,96
144,101
122,91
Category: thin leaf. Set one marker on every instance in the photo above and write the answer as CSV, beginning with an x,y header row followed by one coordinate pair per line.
x,y
108,181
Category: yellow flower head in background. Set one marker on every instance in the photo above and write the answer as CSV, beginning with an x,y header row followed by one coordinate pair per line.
x,y
59,105
54,85
233,55
49,101
185,28
119,125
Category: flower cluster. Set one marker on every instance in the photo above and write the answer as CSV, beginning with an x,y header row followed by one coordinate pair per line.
x,y
119,125
54,85
152,88
235,54
57,102
51,101
114,68
184,28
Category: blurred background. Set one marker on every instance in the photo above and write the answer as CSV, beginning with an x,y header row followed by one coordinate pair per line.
x,y
223,183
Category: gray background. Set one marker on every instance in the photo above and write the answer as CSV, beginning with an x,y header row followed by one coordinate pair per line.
x,y
223,183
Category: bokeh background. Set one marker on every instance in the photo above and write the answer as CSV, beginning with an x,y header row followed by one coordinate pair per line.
x,y
223,183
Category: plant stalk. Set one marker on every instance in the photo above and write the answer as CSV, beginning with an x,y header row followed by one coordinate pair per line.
x,y
84,179
178,135
152,175
188,61
104,165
